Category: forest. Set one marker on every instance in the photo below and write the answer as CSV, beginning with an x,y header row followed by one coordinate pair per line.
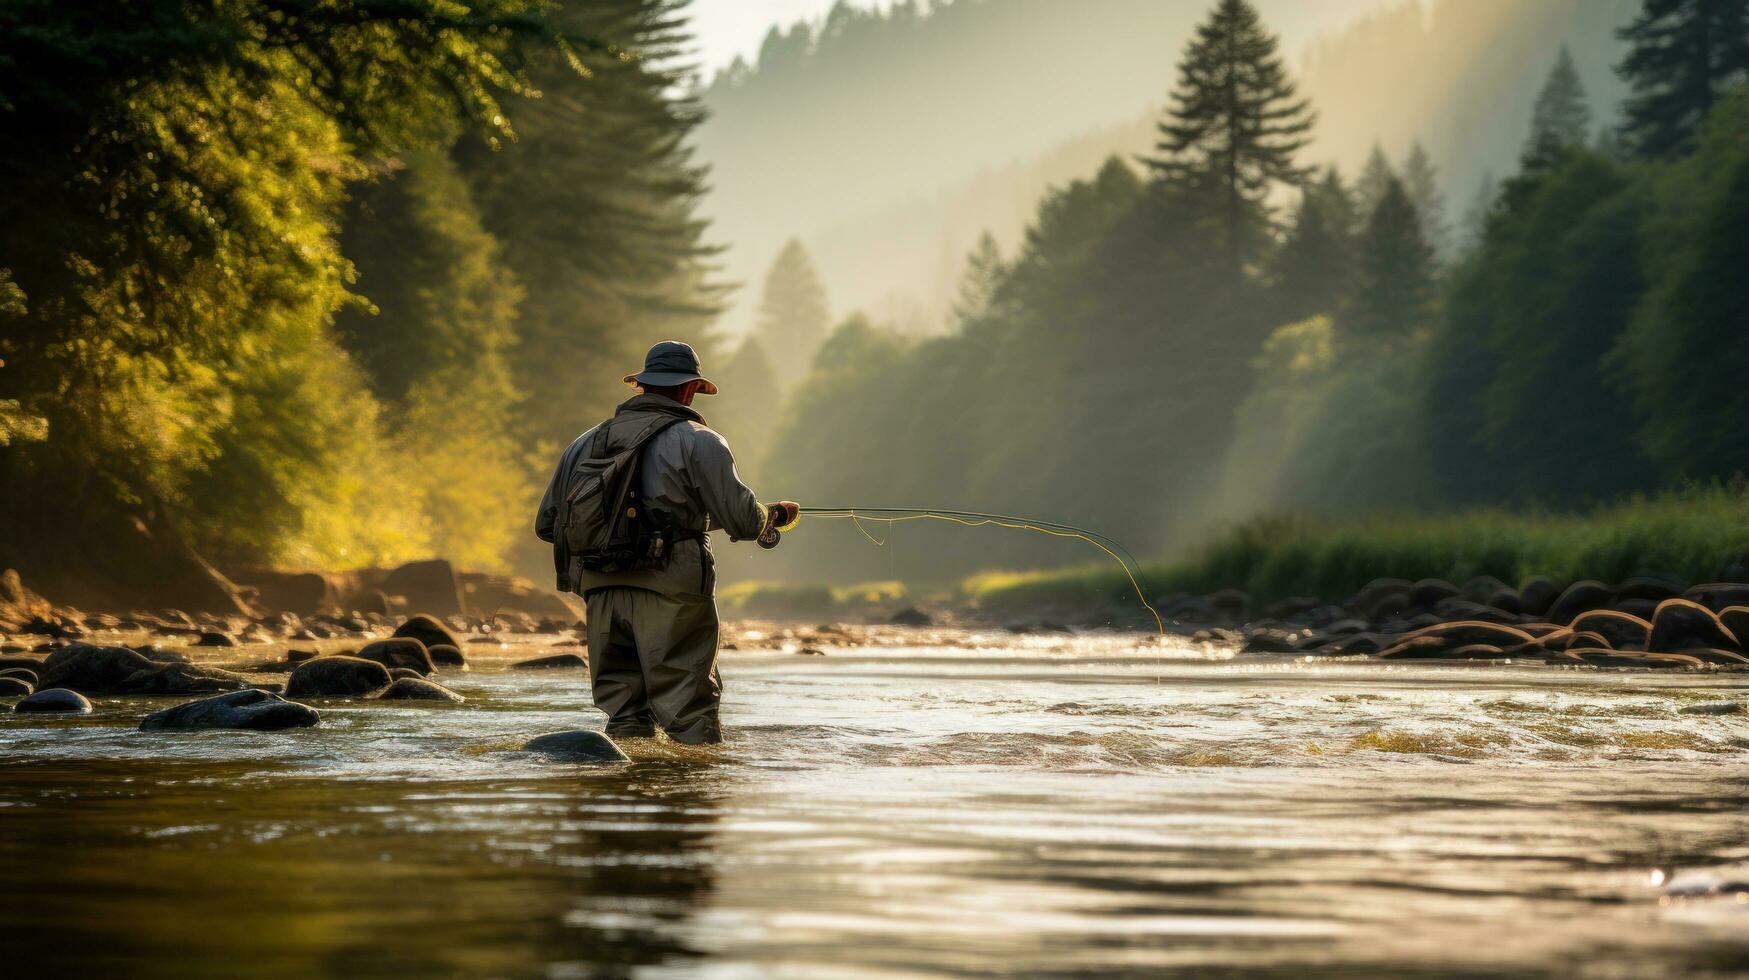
x,y
1226,327
319,286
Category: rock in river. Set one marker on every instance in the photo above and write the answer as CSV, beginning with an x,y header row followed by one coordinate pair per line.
x,y
55,700
419,689
253,710
1680,624
337,677
557,660
1714,708
578,747
444,655
427,630
14,687
119,670
399,651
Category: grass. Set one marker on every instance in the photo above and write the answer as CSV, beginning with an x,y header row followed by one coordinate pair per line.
x,y
1700,534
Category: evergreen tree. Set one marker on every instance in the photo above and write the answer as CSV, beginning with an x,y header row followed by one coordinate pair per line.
x,y
1234,127
983,276
1369,188
1683,54
1562,120
1314,270
1395,292
1421,181
746,410
793,315
1475,224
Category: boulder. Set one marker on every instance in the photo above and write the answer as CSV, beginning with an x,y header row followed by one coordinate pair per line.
x,y
1380,598
577,747
1610,658
399,651
216,638
57,700
1638,608
1588,640
427,585
1429,592
444,655
397,673
419,689
427,630
557,660
912,616
1719,595
1460,608
1580,597
15,687
1537,595
1654,587
1270,641
1292,606
119,670
1484,587
1507,601
1540,629
1480,651
1416,648
303,593
252,710
1735,618
1231,603
337,677
1624,632
1680,624
299,656
1556,641
1471,632
24,674
498,594
1716,656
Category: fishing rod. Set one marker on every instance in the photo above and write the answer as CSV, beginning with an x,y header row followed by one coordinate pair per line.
x,y
970,518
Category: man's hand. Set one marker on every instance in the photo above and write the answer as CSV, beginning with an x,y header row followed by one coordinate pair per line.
x,y
786,514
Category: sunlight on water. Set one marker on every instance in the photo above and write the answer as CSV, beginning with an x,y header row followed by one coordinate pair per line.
x,y
1048,804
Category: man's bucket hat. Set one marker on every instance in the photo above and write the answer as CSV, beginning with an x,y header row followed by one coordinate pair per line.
x,y
671,363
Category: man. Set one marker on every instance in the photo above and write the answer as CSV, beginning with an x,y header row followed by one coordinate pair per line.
x,y
653,631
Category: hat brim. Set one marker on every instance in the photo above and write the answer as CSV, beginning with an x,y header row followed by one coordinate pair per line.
x,y
670,379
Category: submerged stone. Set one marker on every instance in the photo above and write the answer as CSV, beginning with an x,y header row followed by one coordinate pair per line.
x,y
578,746
337,677
556,661
57,700
14,687
444,655
427,630
399,651
419,689
250,710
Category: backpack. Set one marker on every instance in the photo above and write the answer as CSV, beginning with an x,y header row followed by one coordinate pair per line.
x,y
601,522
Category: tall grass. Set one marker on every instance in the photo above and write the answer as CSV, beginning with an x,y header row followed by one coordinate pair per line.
x,y
1699,534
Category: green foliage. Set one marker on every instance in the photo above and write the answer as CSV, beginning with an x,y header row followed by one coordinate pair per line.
x,y
1683,55
1315,268
1696,535
1394,291
1686,352
793,314
1562,120
1234,128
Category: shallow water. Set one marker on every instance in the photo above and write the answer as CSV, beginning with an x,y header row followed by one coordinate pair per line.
x,y
1043,805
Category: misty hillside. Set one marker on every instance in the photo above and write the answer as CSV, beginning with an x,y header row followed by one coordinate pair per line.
x,y
841,132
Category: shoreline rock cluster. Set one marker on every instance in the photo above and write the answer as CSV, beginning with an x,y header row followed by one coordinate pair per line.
x,y
1642,622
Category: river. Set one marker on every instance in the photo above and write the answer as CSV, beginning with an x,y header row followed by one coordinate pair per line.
x,y
1041,805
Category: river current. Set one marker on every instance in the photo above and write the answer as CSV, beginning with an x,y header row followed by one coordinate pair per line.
x,y
980,805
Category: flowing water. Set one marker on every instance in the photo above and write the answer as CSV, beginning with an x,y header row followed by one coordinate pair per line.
x,y
1086,806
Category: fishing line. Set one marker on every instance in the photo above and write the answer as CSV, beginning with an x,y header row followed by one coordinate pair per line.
x,y
894,515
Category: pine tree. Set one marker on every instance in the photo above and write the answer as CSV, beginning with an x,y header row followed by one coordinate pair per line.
x,y
1475,224
1234,126
984,273
747,408
1314,271
1562,119
1683,54
793,314
1395,294
1375,176
1421,181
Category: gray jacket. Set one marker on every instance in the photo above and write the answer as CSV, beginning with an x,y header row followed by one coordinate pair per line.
x,y
689,483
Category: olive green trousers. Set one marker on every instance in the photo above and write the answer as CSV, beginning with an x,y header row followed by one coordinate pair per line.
x,y
653,662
